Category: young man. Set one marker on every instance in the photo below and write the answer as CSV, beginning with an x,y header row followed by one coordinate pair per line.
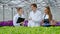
x,y
34,16
19,14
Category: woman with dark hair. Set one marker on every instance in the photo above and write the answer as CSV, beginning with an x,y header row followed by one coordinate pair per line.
x,y
47,16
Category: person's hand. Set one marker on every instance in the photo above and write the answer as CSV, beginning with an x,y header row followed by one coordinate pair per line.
x,y
53,22
42,22
22,22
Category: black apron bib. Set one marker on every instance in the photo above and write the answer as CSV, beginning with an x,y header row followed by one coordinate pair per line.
x,y
46,21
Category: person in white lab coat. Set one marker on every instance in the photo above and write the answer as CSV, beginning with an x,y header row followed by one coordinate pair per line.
x,y
34,16
19,14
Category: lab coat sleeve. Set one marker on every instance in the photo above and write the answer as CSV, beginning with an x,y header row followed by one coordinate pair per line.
x,y
29,17
14,21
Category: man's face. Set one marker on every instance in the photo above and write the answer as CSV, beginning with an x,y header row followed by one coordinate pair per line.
x,y
33,8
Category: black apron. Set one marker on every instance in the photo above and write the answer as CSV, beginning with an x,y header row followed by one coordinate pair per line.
x,y
46,21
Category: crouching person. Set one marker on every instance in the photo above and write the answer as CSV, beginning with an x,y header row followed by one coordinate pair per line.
x,y
34,16
19,18
47,18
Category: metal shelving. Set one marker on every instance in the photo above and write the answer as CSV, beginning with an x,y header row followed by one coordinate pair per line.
x,y
11,4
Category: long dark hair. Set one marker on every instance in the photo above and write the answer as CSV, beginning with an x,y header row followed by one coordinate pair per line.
x,y
49,13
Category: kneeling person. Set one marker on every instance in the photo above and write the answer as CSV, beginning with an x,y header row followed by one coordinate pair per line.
x,y
19,17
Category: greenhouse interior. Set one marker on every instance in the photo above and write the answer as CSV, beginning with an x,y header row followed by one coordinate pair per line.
x,y
8,8
8,11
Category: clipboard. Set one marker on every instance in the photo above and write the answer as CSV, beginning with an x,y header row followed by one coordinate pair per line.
x,y
19,20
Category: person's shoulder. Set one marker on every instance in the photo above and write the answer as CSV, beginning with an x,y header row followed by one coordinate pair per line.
x,y
39,12
23,16
15,15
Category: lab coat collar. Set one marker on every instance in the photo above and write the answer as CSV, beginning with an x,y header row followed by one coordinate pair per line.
x,y
35,11
18,15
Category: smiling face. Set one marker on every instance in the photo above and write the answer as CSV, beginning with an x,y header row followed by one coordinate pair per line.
x,y
46,11
33,8
20,11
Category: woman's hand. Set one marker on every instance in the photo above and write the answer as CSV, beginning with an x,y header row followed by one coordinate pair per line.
x,y
22,23
42,22
53,22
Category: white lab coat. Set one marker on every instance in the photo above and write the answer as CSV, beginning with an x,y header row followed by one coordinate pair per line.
x,y
15,19
45,16
36,19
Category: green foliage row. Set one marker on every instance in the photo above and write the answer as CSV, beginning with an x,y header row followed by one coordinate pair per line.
x,y
29,30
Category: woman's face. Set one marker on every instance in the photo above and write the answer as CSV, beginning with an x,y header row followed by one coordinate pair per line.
x,y
46,11
20,11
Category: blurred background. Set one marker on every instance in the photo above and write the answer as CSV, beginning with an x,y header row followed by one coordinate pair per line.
x,y
8,8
